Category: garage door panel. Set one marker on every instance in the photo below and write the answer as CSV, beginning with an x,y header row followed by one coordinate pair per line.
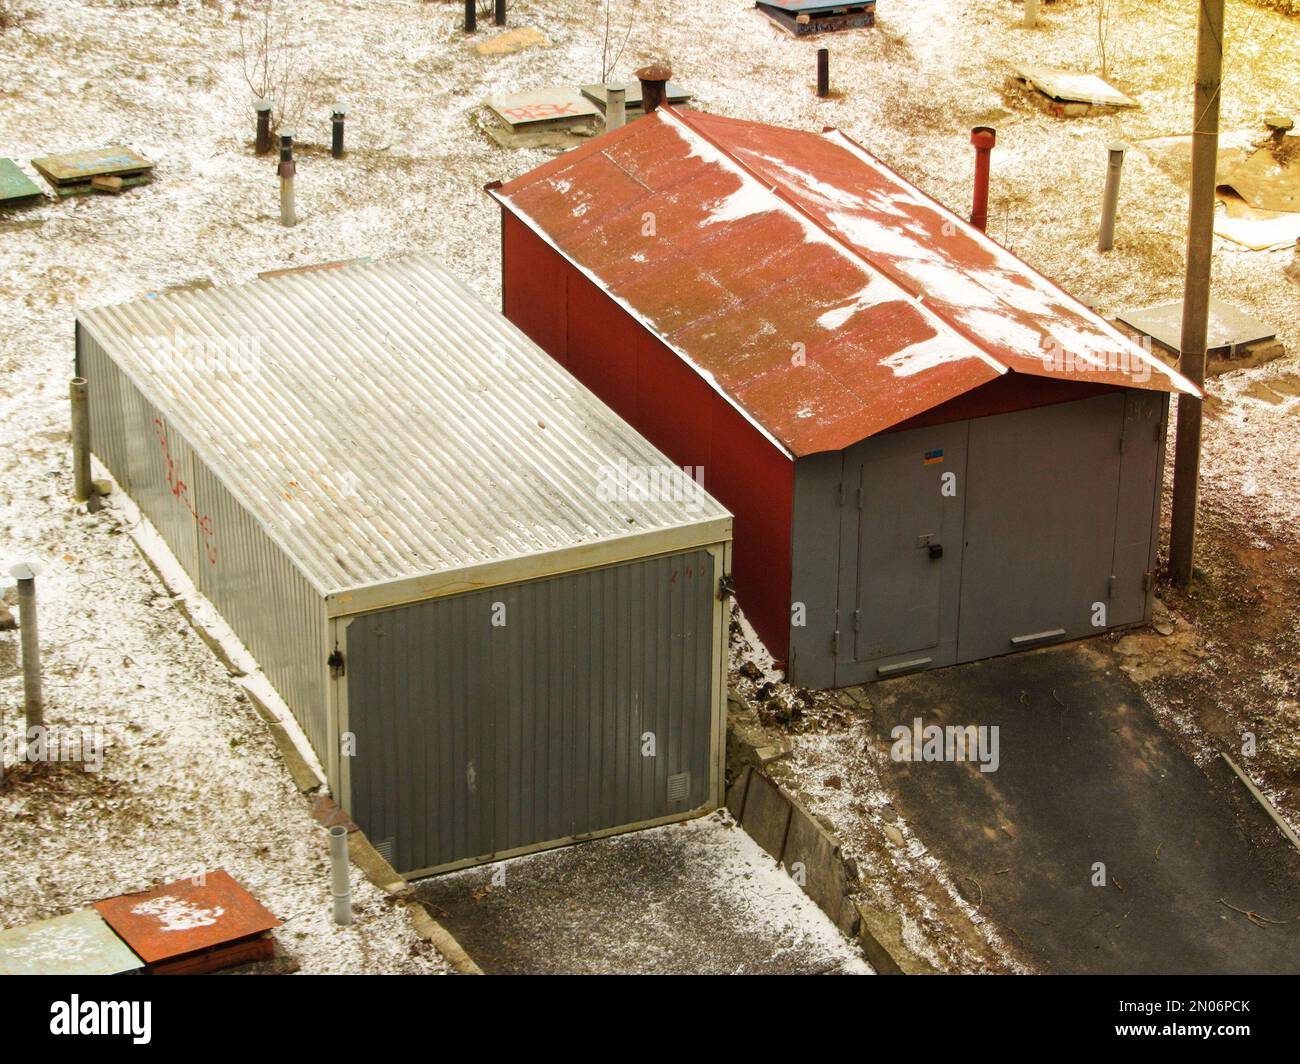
x,y
900,551
476,739
1040,524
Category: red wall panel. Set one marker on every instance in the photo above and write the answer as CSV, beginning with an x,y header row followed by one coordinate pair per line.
x,y
642,379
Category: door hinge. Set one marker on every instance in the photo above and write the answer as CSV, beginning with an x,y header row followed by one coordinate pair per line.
x,y
726,587
857,620
859,498
841,493
1110,587
1148,579
835,642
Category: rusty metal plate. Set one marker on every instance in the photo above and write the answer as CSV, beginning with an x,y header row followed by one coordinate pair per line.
x,y
551,105
79,943
78,166
15,186
185,916
825,296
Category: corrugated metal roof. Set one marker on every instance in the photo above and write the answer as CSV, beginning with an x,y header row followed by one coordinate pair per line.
x,y
383,424
771,243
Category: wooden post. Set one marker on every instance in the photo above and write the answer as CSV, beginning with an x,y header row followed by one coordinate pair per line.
x,y
471,15
1196,289
823,72
499,12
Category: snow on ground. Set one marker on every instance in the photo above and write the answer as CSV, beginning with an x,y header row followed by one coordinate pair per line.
x,y
699,897
191,779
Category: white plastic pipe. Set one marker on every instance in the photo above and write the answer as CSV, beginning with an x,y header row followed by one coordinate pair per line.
x,y
340,880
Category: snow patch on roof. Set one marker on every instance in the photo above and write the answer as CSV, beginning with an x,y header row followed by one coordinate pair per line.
x,y
926,354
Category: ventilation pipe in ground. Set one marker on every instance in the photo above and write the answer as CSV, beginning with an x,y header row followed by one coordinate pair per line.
x,y
340,881
983,138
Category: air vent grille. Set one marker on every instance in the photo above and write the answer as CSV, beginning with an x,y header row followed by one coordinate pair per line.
x,y
679,787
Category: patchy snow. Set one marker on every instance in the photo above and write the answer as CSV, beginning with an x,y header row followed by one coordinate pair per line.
x,y
177,914
191,779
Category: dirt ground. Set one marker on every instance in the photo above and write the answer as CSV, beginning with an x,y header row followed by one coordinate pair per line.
x,y
165,78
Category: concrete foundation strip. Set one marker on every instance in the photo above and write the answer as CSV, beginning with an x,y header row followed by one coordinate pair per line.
x,y
790,834
1265,804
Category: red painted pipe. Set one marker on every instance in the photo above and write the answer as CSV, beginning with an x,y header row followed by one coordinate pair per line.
x,y
983,138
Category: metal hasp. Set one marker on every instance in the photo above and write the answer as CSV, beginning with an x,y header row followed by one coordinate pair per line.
x,y
287,169
33,697
654,85
194,925
939,388
466,576
262,144
982,138
338,115
823,72
803,18
78,943
78,397
1110,198
1196,289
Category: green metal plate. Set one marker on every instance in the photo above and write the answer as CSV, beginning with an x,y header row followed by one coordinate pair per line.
x,y
79,943
80,166
16,186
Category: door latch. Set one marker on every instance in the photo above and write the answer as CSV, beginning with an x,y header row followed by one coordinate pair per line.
x,y
936,550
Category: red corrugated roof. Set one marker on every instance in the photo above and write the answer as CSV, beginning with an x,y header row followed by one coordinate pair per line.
x,y
822,294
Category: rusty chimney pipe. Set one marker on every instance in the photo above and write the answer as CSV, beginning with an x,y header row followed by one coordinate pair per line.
x,y
983,138
654,86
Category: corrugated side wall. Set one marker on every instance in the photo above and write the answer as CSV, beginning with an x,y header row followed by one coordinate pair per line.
x,y
269,604
647,384
483,728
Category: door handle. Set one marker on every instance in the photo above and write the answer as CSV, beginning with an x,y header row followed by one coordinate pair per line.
x,y
936,550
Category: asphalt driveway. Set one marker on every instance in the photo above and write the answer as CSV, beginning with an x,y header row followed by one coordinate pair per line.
x,y
1085,777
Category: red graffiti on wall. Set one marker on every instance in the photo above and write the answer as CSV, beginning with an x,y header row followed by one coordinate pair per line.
x,y
181,492
536,112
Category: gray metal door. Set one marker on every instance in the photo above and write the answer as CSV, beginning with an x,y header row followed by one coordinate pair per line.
x,y
504,719
1040,525
900,552
1138,521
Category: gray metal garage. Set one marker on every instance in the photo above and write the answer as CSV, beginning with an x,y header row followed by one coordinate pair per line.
x,y
489,602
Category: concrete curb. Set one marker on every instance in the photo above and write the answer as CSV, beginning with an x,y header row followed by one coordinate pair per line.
x,y
812,855
388,879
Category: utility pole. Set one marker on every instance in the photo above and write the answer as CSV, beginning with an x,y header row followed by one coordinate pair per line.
x,y
1196,290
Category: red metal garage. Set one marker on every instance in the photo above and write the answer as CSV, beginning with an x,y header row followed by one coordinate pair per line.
x,y
771,304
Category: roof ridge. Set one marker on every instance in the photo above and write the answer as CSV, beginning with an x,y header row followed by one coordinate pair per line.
x,y
839,241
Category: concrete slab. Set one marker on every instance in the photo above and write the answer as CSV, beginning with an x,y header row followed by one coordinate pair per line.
x,y
78,943
1071,86
1087,775
698,897
1229,327
632,99
548,107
